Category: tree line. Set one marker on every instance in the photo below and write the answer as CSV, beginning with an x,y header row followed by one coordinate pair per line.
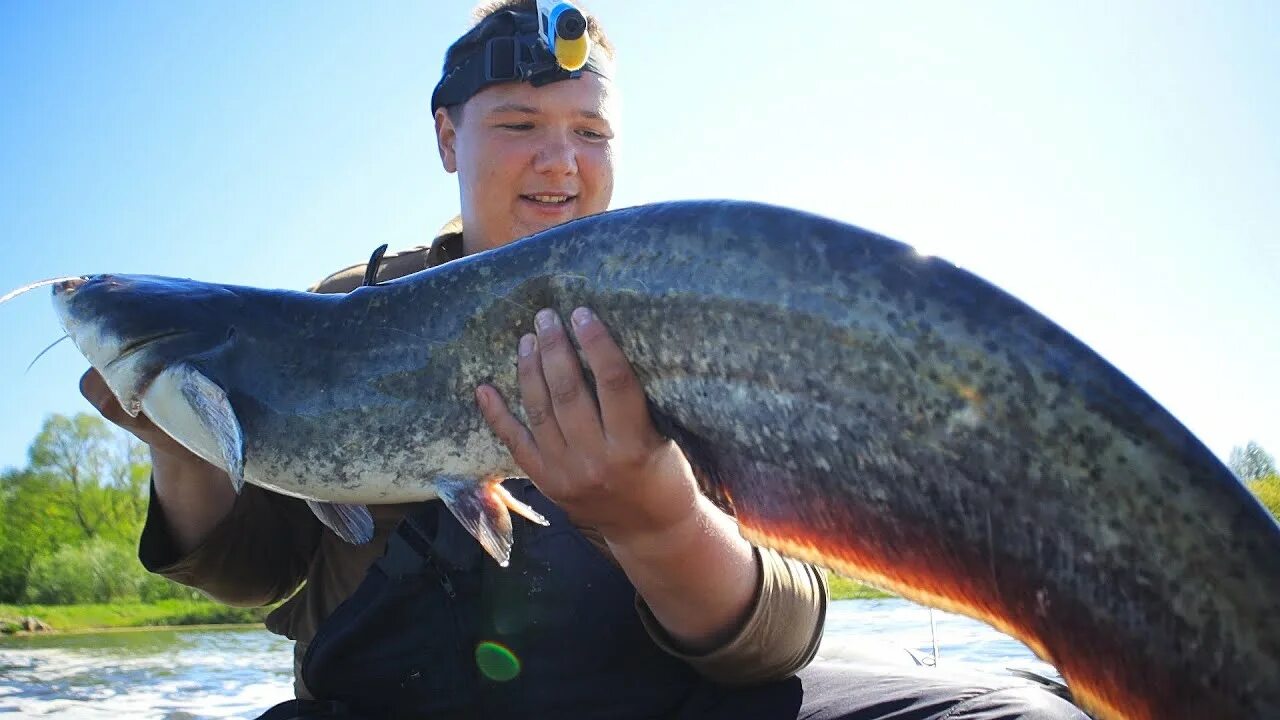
x,y
1257,468
72,518
73,515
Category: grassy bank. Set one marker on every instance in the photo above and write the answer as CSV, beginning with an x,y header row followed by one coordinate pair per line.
x,y
843,588
162,613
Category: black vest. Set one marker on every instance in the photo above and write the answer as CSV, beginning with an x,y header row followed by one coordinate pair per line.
x,y
438,630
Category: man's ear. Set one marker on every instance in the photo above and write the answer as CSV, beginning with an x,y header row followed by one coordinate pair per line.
x,y
446,136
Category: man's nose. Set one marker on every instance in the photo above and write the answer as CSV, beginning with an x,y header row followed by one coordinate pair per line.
x,y
557,156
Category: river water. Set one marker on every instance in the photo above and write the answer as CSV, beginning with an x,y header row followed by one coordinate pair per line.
x,y
226,673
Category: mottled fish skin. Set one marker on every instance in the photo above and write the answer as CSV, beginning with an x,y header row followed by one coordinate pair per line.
x,y
858,405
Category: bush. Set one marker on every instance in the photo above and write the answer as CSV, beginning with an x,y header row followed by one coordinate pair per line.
x,y
14,558
95,571
154,588
1268,491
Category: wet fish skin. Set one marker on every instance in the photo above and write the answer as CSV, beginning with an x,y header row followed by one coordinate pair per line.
x,y
860,406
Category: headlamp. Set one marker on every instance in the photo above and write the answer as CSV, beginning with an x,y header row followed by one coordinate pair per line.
x,y
508,46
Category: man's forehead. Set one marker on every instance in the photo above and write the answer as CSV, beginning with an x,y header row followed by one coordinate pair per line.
x,y
590,96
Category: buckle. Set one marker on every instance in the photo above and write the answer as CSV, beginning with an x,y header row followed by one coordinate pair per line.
x,y
517,58
501,60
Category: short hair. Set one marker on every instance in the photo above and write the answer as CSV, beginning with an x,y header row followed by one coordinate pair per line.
x,y
485,10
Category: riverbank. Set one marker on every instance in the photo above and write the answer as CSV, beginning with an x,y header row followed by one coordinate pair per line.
x,y
843,588
103,616
169,613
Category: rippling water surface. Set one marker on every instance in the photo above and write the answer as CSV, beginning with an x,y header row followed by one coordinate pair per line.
x,y
188,674
154,674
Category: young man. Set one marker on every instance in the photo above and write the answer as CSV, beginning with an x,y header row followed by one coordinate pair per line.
x,y
640,600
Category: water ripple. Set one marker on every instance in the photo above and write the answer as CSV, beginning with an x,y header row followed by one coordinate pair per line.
x,y
169,675
195,674
865,628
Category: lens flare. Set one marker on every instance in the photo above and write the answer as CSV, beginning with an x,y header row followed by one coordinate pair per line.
x,y
497,662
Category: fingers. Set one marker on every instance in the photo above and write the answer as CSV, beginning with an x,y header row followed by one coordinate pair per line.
x,y
508,428
559,406
566,390
94,389
535,397
623,409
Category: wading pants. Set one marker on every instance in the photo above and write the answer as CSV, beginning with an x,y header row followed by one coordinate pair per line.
x,y
405,646
834,691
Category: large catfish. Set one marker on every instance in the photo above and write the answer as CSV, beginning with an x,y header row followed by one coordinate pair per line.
x,y
856,405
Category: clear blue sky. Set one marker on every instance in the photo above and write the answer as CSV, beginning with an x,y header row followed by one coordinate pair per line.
x,y
1116,165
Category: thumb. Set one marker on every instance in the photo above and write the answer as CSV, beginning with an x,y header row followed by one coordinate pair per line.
x,y
94,389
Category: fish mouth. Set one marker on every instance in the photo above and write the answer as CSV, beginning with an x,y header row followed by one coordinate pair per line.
x,y
130,373
134,346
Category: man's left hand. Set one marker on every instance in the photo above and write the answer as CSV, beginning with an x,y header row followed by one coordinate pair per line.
x,y
596,455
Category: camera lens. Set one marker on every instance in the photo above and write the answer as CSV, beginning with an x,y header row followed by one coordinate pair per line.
x,y
570,25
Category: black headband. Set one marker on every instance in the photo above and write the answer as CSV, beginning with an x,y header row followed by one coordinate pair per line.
x,y
505,47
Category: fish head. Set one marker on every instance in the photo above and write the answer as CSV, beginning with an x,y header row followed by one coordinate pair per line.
x,y
132,327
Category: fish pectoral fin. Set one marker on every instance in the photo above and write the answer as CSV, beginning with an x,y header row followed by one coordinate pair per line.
x,y
482,508
196,412
352,523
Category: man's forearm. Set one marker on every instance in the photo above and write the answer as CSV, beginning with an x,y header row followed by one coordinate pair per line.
x,y
194,495
698,578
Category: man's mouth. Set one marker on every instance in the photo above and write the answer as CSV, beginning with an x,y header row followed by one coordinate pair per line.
x,y
549,199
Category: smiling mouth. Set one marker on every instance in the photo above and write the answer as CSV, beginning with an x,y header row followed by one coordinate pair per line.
x,y
550,199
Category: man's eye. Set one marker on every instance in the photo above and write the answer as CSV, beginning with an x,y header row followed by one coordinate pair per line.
x,y
592,135
516,126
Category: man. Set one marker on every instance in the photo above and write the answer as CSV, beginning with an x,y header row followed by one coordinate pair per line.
x,y
640,600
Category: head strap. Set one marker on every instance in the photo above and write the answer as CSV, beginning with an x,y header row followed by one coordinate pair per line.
x,y
505,47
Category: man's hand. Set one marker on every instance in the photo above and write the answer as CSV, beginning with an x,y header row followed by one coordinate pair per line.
x,y
603,462
94,389
606,464
193,494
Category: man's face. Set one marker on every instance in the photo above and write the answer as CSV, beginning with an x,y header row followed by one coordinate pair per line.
x,y
530,158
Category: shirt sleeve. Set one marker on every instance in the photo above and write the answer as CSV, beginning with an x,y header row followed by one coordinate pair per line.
x,y
258,554
780,635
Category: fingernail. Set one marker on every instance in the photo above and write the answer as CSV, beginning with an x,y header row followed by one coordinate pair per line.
x,y
526,346
545,319
581,317
482,397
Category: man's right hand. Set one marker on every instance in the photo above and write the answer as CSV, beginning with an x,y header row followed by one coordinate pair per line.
x,y
94,389
194,495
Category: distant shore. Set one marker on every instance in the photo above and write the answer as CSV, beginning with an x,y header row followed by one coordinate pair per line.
x,y
186,613
125,615
843,588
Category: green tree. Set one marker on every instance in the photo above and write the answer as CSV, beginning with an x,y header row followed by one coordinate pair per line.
x,y
14,554
85,481
1251,462
36,520
1268,491
97,472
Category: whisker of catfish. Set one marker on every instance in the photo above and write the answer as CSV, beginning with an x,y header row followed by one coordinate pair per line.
x,y
42,352
39,283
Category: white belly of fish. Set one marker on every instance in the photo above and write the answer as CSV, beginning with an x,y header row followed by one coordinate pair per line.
x,y
195,412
